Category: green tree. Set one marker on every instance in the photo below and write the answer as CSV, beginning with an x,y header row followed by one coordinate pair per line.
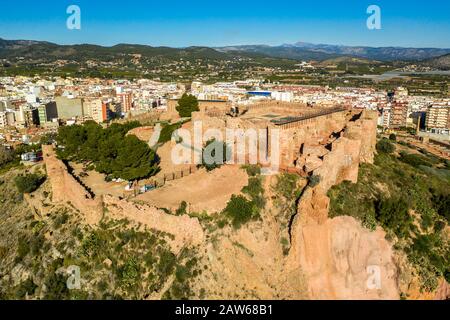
x,y
167,131
134,160
186,105
314,180
110,150
47,139
5,156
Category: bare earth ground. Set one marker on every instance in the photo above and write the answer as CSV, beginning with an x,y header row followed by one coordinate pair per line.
x,y
202,190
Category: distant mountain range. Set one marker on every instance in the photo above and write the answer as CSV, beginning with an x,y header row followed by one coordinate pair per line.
x,y
46,51
309,51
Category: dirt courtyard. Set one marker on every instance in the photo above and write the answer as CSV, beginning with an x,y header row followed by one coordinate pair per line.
x,y
203,191
96,182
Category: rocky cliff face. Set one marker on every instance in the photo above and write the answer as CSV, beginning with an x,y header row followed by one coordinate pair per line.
x,y
339,258
342,260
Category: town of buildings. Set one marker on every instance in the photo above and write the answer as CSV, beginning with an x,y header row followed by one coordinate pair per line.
x,y
32,106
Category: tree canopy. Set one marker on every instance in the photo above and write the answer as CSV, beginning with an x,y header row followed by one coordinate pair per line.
x,y
5,156
186,105
109,150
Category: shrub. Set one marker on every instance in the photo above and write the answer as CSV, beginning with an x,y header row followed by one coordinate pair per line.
x,y
24,288
392,137
29,183
441,202
23,248
252,170
393,214
182,209
414,160
60,220
56,285
216,160
240,210
5,156
314,180
221,224
256,191
385,146
167,261
129,273
91,244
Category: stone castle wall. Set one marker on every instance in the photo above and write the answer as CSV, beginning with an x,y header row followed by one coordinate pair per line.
x,y
338,255
184,228
66,189
291,138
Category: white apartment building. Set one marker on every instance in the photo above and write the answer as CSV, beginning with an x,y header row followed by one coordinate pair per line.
x,y
438,119
6,119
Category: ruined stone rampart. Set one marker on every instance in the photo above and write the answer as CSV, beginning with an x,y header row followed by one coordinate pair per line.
x,y
338,255
66,188
185,228
356,144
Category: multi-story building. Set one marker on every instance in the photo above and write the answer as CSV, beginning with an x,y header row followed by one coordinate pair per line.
x,y
98,110
7,118
32,117
384,116
20,114
399,114
438,119
126,99
47,112
69,108
3,121
3,106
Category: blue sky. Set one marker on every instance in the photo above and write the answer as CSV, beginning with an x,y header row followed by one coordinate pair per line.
x,y
413,23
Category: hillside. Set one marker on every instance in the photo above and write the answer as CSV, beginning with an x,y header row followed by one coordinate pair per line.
x,y
131,61
35,50
442,63
46,51
349,60
407,193
281,52
274,240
